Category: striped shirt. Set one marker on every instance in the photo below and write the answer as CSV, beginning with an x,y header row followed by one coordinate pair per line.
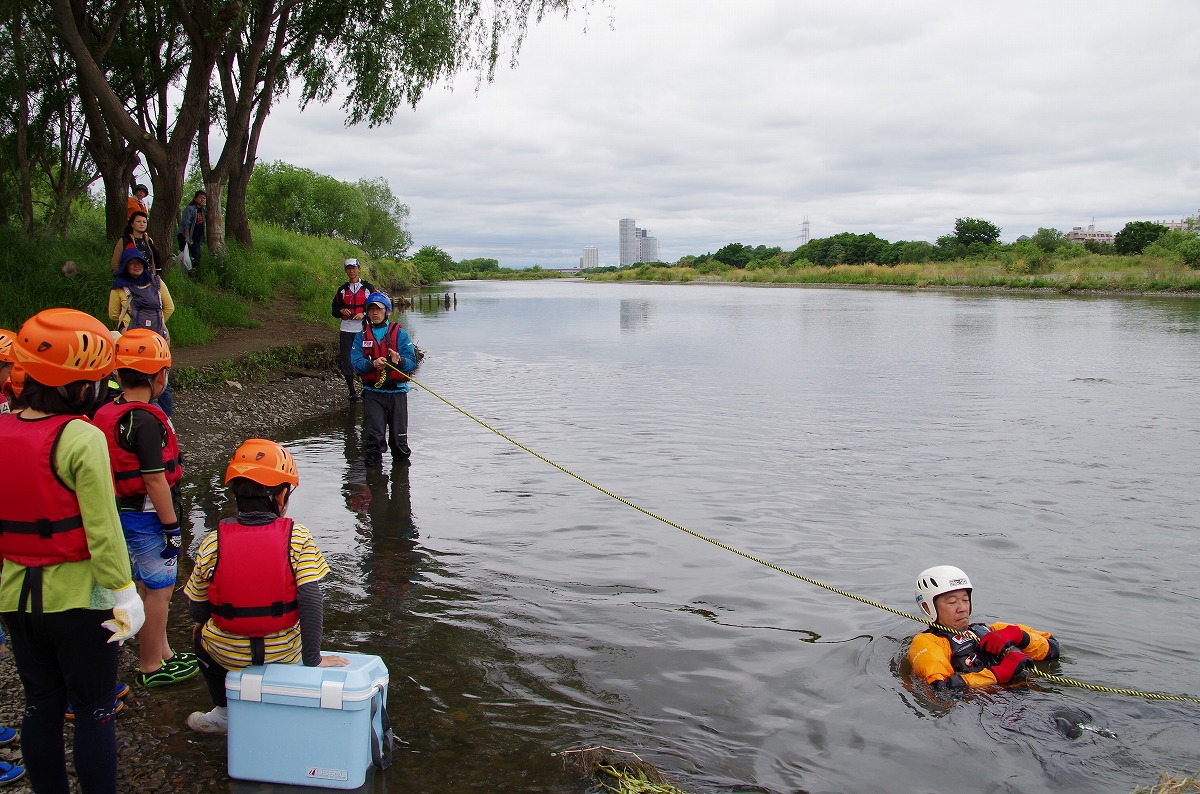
x,y
232,651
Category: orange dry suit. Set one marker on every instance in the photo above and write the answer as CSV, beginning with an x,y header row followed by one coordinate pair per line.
x,y
945,659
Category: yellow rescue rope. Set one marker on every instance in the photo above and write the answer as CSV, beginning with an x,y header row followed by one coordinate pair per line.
x,y
772,566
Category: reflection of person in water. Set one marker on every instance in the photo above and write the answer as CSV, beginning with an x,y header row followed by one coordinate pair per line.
x,y
971,654
381,503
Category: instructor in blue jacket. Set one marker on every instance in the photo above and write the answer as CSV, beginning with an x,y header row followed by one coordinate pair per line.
x,y
383,355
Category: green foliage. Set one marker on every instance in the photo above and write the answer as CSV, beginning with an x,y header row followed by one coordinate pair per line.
x,y
844,248
477,266
259,365
1049,240
969,231
432,264
301,200
1189,252
1136,235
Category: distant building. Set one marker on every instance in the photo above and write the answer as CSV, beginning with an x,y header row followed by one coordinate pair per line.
x,y
1185,225
1079,234
648,249
590,258
636,245
628,243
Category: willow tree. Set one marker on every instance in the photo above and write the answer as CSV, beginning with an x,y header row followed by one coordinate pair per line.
x,y
380,55
143,73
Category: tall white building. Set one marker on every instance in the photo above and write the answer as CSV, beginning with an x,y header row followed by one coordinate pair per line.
x,y
628,243
636,244
648,249
591,257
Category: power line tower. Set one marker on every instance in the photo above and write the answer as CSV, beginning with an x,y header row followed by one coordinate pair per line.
x,y
805,231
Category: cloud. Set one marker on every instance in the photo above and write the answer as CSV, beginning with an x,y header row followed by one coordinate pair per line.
x,y
713,122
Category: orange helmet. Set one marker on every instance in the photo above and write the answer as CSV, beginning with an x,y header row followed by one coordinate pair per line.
x,y
264,462
6,340
61,346
144,350
16,381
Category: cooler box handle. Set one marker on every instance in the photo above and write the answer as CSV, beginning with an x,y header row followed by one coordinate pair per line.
x,y
383,740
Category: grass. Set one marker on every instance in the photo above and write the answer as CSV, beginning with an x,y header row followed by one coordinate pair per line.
x,y
1172,784
1091,272
618,771
255,366
221,292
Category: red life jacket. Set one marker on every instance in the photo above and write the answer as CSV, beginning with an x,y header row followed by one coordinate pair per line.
x,y
127,472
355,300
253,589
40,522
380,348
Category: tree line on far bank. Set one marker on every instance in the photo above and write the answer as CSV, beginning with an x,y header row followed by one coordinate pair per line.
x,y
972,238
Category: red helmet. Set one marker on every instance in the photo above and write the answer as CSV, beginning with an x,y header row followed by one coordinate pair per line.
x,y
60,346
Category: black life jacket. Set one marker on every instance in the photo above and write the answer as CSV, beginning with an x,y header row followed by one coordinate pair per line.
x,y
966,654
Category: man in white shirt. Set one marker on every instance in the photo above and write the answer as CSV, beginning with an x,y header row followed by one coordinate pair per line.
x,y
350,306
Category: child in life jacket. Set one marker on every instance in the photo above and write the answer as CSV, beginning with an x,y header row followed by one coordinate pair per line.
x,y
955,653
144,453
66,592
382,355
255,591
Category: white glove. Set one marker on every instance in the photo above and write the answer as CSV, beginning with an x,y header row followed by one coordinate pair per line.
x,y
128,614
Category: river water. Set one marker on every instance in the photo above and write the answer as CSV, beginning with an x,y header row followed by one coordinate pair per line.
x,y
1047,445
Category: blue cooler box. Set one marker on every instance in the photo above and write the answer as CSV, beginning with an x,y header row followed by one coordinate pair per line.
x,y
307,726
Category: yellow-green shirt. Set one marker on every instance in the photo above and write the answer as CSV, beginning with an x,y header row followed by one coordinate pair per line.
x,y
81,462
232,651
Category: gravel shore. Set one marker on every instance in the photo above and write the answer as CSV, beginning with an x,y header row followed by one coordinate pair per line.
x,y
157,753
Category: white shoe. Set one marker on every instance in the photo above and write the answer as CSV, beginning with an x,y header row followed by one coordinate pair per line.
x,y
215,721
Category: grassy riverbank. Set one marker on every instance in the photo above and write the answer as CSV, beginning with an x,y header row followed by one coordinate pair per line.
x,y
1141,273
223,291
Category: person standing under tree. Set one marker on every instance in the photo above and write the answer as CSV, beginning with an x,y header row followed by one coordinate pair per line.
x,y
350,306
191,227
137,202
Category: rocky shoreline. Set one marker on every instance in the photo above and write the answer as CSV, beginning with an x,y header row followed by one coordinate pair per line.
x,y
153,744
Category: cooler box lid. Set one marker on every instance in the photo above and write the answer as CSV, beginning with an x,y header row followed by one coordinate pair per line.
x,y
343,688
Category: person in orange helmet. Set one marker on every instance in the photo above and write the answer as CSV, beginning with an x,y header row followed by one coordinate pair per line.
x,y
255,591
66,592
146,469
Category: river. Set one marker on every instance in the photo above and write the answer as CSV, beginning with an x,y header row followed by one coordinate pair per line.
x,y
1045,444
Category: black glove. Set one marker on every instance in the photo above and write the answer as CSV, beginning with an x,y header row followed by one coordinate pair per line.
x,y
173,538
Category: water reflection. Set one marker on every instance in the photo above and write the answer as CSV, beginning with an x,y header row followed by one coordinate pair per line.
x,y
636,315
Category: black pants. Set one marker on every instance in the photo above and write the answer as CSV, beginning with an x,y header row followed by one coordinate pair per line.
x,y
214,675
385,424
345,343
65,657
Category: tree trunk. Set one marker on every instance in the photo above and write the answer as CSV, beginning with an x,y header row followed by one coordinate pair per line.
x,y
237,222
214,216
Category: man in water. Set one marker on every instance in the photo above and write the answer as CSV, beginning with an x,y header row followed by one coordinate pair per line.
x,y
955,653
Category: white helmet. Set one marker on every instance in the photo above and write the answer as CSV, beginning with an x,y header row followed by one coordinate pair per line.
x,y
932,582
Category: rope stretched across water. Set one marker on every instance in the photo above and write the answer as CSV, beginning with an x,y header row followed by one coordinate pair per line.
x,y
773,566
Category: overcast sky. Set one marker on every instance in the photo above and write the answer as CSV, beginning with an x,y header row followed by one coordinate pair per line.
x,y
715,122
